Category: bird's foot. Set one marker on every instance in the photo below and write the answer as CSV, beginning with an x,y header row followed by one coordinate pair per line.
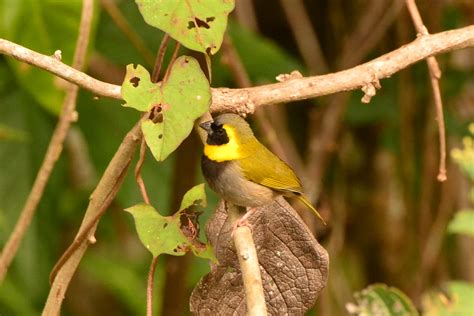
x,y
243,221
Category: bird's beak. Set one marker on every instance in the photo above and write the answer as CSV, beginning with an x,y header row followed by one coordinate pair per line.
x,y
206,126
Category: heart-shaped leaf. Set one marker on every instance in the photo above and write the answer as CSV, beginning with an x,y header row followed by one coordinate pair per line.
x,y
198,25
176,234
178,102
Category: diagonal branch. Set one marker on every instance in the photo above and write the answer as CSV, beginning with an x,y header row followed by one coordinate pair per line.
x,y
102,196
247,99
54,150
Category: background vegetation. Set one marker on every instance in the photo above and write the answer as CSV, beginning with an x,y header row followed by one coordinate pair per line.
x,y
371,168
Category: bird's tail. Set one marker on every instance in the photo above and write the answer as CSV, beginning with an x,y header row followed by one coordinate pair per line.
x,y
308,204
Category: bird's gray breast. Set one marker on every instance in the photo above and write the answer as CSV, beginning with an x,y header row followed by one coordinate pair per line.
x,y
227,180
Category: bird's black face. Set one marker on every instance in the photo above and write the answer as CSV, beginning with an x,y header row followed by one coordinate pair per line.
x,y
216,133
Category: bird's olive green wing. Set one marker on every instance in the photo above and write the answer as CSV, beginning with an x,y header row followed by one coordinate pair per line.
x,y
264,168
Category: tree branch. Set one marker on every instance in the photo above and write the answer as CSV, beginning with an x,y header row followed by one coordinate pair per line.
x,y
56,67
248,261
246,100
435,75
55,146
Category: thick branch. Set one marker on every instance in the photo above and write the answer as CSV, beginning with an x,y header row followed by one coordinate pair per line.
x,y
245,100
56,67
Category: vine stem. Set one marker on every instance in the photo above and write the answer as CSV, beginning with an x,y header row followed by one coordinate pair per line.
x,y
67,117
138,175
149,287
435,75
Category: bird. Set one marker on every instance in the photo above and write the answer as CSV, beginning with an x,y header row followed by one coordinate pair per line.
x,y
242,170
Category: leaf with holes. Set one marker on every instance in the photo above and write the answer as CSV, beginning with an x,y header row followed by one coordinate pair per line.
x,y
379,299
138,90
176,234
177,103
198,25
195,196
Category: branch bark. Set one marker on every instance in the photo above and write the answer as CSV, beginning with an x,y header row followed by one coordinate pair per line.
x,y
248,261
247,99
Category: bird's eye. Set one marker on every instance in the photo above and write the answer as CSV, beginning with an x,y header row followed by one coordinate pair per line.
x,y
220,131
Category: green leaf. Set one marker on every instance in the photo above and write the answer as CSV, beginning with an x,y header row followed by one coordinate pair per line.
x,y
198,25
381,300
195,196
44,26
462,223
456,301
138,90
173,235
178,102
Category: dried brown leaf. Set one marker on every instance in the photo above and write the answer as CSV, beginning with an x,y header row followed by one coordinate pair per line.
x,y
294,265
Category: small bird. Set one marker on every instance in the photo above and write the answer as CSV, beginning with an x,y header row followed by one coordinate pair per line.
x,y
242,170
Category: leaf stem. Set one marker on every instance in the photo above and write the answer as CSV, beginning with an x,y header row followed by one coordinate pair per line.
x,y
138,175
149,287
173,58
160,57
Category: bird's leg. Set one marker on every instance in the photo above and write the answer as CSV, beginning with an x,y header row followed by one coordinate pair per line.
x,y
243,221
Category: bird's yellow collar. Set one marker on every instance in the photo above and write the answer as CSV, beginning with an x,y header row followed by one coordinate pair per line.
x,y
224,152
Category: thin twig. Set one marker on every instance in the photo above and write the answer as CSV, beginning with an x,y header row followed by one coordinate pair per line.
x,y
54,148
159,58
248,261
245,100
138,169
100,199
149,287
122,23
435,75
173,58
